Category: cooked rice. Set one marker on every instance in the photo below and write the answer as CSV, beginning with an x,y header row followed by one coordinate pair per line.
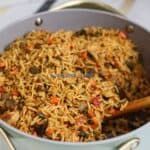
x,y
61,85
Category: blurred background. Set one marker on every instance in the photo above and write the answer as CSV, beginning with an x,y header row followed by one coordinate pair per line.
x,y
136,10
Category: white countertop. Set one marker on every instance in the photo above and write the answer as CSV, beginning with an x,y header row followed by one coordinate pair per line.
x,y
135,10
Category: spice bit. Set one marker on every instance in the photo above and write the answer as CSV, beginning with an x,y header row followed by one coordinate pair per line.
x,y
41,115
40,127
93,56
37,45
34,70
80,33
20,104
83,134
130,65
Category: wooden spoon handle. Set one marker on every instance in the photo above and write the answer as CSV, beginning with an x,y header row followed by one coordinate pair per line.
x,y
132,106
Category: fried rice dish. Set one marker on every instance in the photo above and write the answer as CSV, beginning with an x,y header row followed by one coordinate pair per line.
x,y
62,85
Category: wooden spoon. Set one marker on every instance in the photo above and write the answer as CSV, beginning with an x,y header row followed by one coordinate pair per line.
x,y
132,106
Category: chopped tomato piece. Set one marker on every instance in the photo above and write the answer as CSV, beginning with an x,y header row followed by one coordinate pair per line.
x,y
62,132
112,111
122,34
91,113
97,65
15,93
49,40
49,131
2,90
71,46
95,123
84,55
54,100
6,116
80,120
96,101
27,47
84,128
14,70
2,65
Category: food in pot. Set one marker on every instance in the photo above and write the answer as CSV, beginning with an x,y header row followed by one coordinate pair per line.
x,y
62,85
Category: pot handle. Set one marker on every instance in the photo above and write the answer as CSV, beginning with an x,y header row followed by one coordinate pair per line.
x,y
90,4
122,9
131,144
7,139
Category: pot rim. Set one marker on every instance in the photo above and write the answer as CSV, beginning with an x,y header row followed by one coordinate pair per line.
x,y
107,141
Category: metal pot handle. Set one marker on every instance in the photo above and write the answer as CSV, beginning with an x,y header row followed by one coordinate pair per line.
x,y
7,139
90,4
131,144
125,6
